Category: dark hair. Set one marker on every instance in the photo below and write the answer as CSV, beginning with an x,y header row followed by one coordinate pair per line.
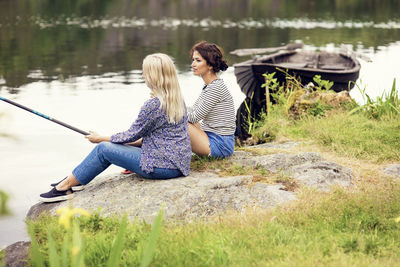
x,y
213,55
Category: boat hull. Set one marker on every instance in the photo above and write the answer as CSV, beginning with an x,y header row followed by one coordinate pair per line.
x,y
340,69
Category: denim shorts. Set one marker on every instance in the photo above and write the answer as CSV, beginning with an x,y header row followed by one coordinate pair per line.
x,y
221,146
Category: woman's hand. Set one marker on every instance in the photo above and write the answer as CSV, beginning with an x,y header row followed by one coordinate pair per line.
x,y
96,138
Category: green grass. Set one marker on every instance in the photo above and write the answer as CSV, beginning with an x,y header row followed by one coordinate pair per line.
x,y
350,135
2,258
3,203
370,132
3,211
102,241
358,228
338,229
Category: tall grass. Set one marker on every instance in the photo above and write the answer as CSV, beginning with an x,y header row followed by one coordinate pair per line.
x,y
385,106
339,229
370,131
91,240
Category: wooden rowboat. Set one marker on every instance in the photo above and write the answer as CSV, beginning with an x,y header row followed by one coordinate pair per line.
x,y
339,68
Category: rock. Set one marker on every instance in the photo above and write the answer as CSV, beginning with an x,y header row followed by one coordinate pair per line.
x,y
17,254
203,194
322,175
277,162
279,145
196,196
308,168
38,208
393,170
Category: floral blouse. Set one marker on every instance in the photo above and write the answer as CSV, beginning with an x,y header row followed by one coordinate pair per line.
x,y
165,145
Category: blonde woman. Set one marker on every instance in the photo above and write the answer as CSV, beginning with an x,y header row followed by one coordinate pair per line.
x,y
162,126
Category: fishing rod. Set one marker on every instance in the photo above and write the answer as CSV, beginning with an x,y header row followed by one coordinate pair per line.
x,y
44,116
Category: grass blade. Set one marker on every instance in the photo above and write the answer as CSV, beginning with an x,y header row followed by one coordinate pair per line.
x,y
53,255
37,258
151,242
78,247
118,244
64,252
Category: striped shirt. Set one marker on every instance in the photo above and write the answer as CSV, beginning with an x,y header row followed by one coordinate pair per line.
x,y
214,109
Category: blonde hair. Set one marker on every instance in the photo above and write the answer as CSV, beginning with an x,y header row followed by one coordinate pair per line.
x,y
160,76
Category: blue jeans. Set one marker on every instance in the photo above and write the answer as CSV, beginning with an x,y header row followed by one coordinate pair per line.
x,y
128,157
221,146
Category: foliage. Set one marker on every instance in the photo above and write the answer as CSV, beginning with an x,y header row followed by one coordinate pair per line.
x,y
385,106
346,228
271,85
322,84
313,232
151,242
3,203
291,101
370,131
250,119
90,240
3,258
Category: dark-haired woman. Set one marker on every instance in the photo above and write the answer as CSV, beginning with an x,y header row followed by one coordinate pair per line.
x,y
212,118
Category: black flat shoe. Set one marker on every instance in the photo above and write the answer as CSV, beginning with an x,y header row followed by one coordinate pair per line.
x,y
54,195
78,187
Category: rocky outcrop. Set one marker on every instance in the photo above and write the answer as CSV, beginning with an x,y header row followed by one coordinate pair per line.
x,y
196,196
202,193
308,169
205,193
17,254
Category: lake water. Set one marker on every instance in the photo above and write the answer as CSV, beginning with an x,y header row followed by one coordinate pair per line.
x,y
81,63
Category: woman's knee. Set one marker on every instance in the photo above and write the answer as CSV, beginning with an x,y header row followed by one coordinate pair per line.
x,y
103,146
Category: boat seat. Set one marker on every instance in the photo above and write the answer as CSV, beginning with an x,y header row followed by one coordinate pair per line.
x,y
290,65
332,67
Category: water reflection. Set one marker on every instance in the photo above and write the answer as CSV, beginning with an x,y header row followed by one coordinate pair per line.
x,y
208,23
65,39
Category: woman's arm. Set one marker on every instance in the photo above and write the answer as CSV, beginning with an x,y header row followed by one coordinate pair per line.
x,y
143,125
133,136
96,138
208,98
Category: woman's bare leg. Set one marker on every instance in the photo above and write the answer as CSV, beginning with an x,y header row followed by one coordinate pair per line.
x,y
199,140
67,183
